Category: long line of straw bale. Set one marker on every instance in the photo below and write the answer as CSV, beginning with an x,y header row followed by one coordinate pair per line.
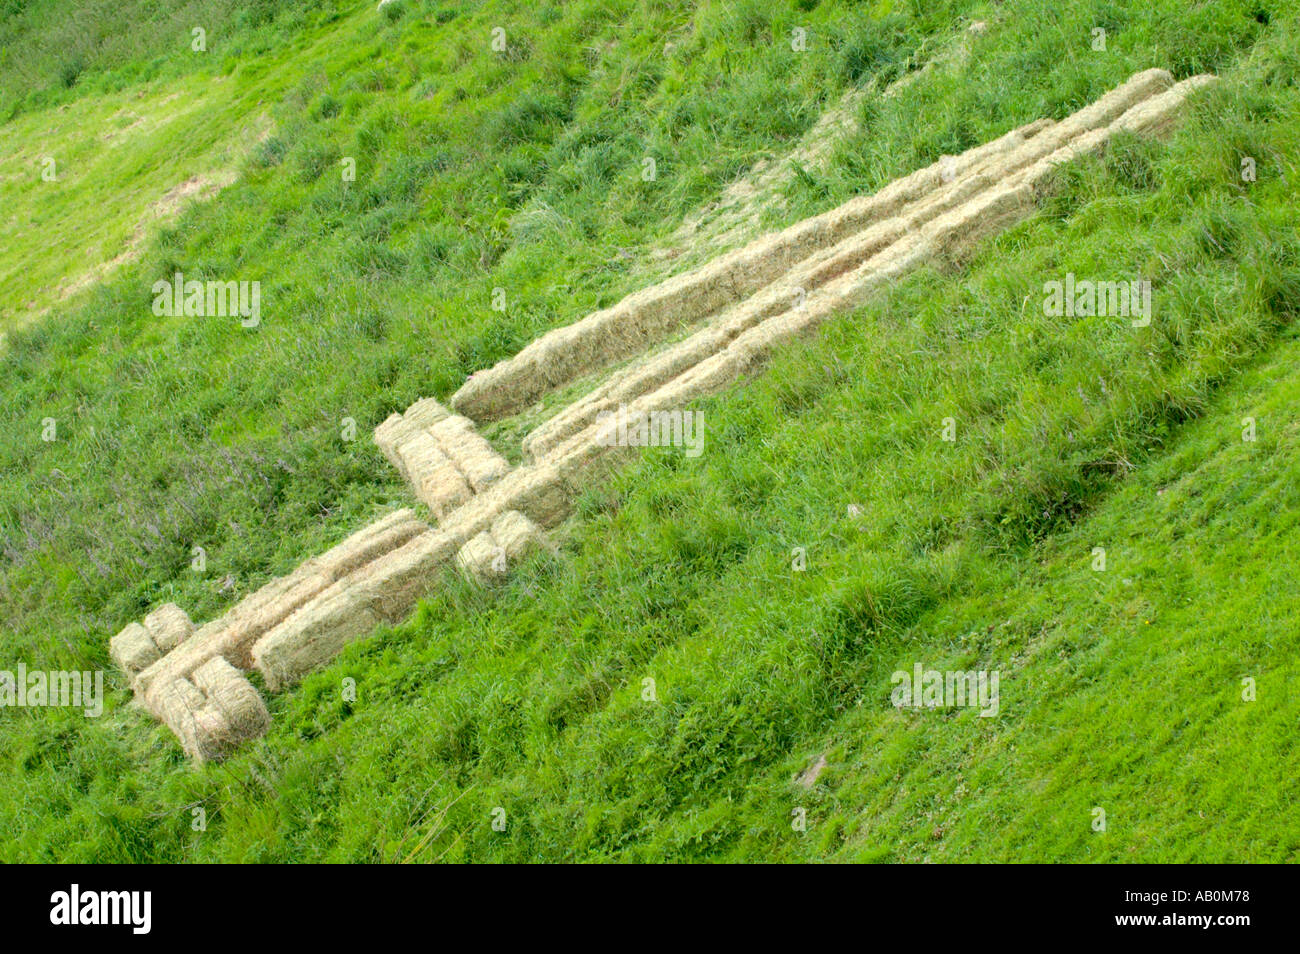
x,y
648,315
232,635
992,167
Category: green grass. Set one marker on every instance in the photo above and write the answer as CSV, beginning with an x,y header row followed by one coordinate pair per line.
x,y
119,154
477,170
1120,689
53,52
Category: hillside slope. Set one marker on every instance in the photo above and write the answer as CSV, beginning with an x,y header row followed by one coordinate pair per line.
x,y
522,171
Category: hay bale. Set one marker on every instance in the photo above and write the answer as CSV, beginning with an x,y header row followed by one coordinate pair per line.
x,y
648,315
437,481
140,645
420,453
212,712
539,491
962,217
473,455
479,558
489,554
516,534
542,494
385,590
575,456
300,622
233,635
648,373
985,215
311,637
1150,117
394,584
1140,86
444,490
971,173
368,543
228,691
388,435
181,707
406,442
169,626
425,413
133,649
1158,115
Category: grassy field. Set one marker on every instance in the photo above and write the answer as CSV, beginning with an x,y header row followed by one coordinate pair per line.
x,y
477,169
